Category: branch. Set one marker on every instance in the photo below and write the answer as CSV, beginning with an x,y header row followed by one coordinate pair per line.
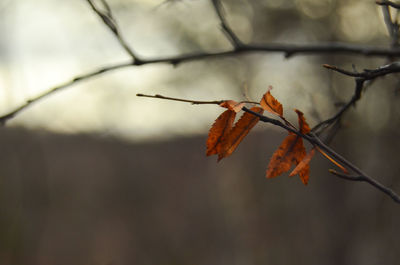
x,y
369,74
193,102
360,80
318,129
4,118
236,42
391,26
371,181
111,23
387,3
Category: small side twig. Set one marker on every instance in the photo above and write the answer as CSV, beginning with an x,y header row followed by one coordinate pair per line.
x,y
369,74
11,114
193,102
236,42
109,20
369,180
337,116
387,3
361,78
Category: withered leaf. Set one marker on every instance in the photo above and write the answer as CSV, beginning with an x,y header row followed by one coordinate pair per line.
x,y
290,152
303,125
239,131
269,103
303,168
219,130
232,105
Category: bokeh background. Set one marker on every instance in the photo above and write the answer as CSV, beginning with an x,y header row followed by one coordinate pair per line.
x,y
95,175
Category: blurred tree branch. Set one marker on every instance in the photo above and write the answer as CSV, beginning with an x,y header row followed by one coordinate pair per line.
x,y
288,50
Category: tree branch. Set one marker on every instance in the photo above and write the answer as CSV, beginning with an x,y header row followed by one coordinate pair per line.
x,y
109,20
4,118
236,42
360,79
387,3
369,74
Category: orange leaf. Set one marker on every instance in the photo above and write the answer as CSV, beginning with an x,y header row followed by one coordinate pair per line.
x,y
291,151
239,131
269,103
303,125
219,130
303,168
232,105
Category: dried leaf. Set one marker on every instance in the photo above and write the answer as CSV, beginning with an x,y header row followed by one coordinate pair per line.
x,y
289,153
219,130
232,105
239,131
303,125
269,103
303,168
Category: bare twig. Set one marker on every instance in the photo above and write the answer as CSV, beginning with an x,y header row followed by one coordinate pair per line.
x,y
391,26
236,42
369,74
387,3
360,79
356,96
111,23
193,102
369,180
4,118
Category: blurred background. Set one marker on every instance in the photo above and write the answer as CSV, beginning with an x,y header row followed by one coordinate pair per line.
x,y
95,175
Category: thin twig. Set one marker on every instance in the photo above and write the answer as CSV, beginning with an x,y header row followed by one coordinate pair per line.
x,y
109,20
360,79
346,176
369,74
387,3
236,42
391,26
4,118
356,96
369,180
193,102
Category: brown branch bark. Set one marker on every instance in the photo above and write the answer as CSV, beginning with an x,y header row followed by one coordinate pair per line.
x,y
109,20
236,42
387,3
